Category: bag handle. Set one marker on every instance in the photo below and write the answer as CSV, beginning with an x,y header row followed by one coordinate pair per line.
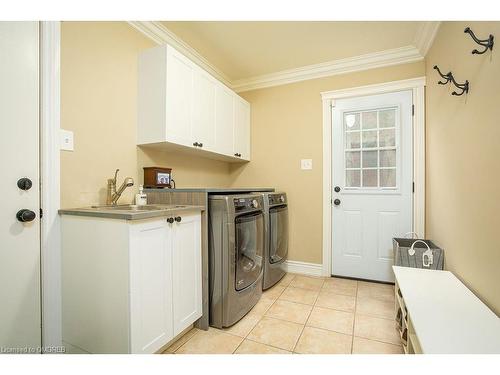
x,y
427,256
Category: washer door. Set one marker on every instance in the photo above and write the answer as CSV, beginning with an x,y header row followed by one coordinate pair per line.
x,y
249,248
278,234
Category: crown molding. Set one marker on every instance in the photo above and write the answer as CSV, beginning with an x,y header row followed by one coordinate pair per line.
x,y
395,56
425,36
403,55
160,34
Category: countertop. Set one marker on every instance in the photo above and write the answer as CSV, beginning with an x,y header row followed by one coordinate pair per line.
x,y
447,317
122,213
213,190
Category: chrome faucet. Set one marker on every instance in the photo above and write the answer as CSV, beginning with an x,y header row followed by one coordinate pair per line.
x,y
113,194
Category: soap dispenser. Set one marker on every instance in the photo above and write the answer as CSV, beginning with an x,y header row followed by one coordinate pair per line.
x,y
141,198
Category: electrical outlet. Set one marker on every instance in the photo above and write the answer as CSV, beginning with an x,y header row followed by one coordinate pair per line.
x,y
67,140
306,164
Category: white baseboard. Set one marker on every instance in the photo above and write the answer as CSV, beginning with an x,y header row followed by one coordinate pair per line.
x,y
303,268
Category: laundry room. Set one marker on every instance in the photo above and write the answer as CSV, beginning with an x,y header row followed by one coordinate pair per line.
x,y
184,184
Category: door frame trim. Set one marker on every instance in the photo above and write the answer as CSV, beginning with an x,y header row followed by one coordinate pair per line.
x,y
417,85
50,197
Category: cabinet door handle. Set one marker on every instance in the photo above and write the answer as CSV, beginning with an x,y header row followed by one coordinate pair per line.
x,y
238,155
200,144
170,220
178,219
196,144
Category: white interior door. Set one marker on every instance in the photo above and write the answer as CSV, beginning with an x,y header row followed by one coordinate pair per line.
x,y
20,316
372,179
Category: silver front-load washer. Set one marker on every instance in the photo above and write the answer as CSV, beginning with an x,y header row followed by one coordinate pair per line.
x,y
276,243
236,251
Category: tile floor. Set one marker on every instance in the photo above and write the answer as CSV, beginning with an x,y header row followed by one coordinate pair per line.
x,y
307,315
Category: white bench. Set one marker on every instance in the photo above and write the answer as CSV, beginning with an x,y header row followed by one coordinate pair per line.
x,y
441,315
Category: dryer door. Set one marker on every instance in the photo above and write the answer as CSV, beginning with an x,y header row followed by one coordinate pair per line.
x,y
278,236
249,248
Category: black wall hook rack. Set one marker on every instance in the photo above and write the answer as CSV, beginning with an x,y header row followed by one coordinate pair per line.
x,y
448,77
486,43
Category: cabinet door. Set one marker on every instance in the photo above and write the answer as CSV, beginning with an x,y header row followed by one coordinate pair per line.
x,y
224,117
186,266
180,98
203,129
150,286
241,128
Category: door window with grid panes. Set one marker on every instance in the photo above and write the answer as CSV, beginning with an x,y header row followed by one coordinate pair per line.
x,y
371,148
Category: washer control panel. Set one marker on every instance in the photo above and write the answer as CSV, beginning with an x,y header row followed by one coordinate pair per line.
x,y
278,198
242,204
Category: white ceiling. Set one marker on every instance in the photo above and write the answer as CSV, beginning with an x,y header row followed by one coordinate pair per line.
x,y
243,50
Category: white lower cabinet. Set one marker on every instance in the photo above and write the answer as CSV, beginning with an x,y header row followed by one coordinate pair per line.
x,y
141,288
186,273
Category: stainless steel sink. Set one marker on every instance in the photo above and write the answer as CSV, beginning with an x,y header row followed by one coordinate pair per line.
x,y
136,208
129,207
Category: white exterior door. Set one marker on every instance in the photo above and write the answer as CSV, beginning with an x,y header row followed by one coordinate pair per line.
x,y
186,271
20,315
372,179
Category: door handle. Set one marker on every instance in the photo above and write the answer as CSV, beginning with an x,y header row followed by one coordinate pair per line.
x,y
178,219
25,215
24,183
170,220
336,189
336,202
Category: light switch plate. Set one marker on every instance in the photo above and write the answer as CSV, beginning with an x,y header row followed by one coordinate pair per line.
x,y
67,140
306,164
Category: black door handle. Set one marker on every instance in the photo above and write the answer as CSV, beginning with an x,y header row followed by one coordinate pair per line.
x,y
178,219
170,220
337,189
336,202
25,215
24,183
200,144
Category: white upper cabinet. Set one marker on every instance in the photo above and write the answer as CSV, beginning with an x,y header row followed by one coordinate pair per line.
x,y
203,125
241,129
224,116
180,104
180,98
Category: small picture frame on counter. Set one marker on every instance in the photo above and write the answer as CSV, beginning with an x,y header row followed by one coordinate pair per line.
x,y
157,177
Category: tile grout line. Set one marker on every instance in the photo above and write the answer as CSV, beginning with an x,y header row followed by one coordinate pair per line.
x,y
260,319
189,339
272,346
372,316
245,337
308,316
354,320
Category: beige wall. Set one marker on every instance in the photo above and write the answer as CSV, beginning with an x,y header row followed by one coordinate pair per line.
x,y
98,103
463,170
287,127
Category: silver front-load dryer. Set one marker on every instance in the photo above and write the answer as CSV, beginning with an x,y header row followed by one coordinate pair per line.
x,y
276,242
236,251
